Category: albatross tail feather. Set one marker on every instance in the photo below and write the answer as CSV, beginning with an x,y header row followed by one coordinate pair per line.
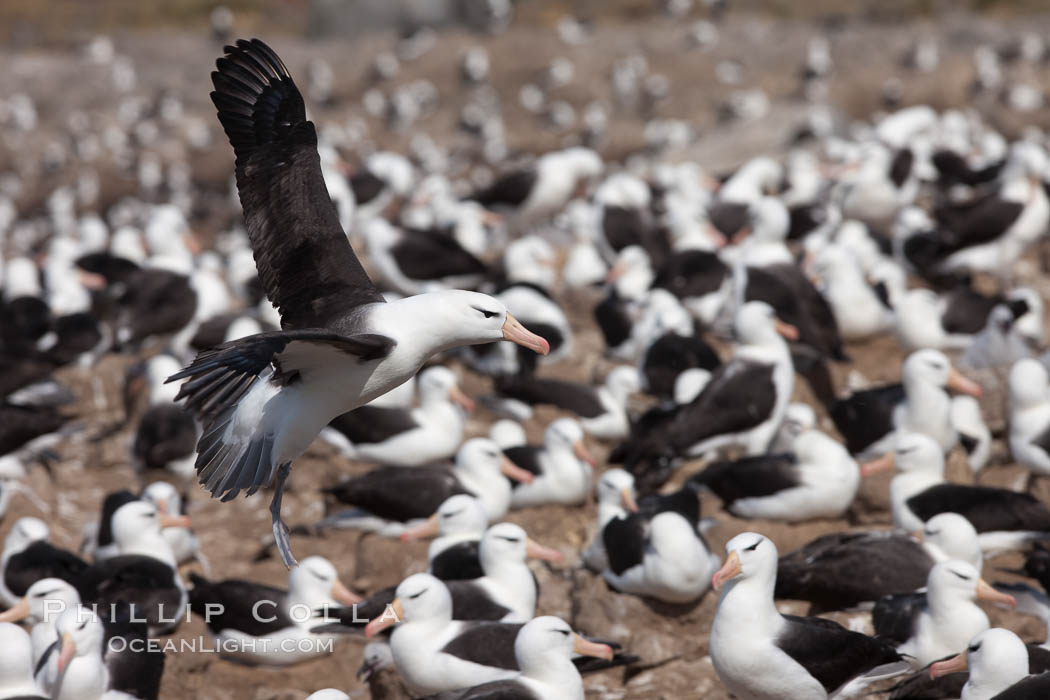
x,y
223,383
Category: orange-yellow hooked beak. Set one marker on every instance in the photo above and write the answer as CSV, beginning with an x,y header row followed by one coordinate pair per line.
x,y
582,453
341,594
627,498
729,570
585,647
517,333
878,465
786,329
986,592
390,617
174,520
428,528
16,613
538,551
457,397
963,385
512,471
955,664
69,650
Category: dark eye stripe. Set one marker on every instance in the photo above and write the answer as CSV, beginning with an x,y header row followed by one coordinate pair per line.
x,y
451,515
509,539
319,576
413,597
964,577
753,547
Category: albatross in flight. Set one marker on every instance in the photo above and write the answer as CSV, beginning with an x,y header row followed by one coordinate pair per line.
x,y
264,398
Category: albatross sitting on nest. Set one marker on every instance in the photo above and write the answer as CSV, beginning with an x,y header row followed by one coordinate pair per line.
x,y
265,397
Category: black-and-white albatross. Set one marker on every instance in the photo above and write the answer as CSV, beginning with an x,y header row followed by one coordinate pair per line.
x,y
265,397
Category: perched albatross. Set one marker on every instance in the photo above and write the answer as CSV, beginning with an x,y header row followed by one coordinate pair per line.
x,y
264,398
998,664
760,654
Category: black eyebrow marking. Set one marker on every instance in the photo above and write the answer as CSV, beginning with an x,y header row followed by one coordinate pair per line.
x,y
413,597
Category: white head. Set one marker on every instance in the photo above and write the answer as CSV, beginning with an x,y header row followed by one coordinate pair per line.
x,y
544,649
455,317
757,324
1029,384
328,694
507,544
137,530
484,459
622,382
437,384
616,488
749,557
933,368
420,598
43,601
912,453
996,659
508,433
566,435
953,581
461,513
530,259
164,496
315,583
80,635
951,536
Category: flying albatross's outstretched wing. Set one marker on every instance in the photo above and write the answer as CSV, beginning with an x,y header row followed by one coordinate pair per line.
x,y
305,262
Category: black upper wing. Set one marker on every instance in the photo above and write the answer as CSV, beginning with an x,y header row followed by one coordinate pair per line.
x,y
238,600
581,399
988,509
460,562
831,653
305,262
750,477
894,616
470,602
399,493
841,569
511,189
691,273
38,561
369,425
429,255
866,416
486,643
625,541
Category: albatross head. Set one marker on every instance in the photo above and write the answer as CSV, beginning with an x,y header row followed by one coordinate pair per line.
x,y
543,641
996,659
457,317
420,598
747,555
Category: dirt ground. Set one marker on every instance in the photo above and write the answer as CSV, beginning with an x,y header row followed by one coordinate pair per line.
x,y
672,640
